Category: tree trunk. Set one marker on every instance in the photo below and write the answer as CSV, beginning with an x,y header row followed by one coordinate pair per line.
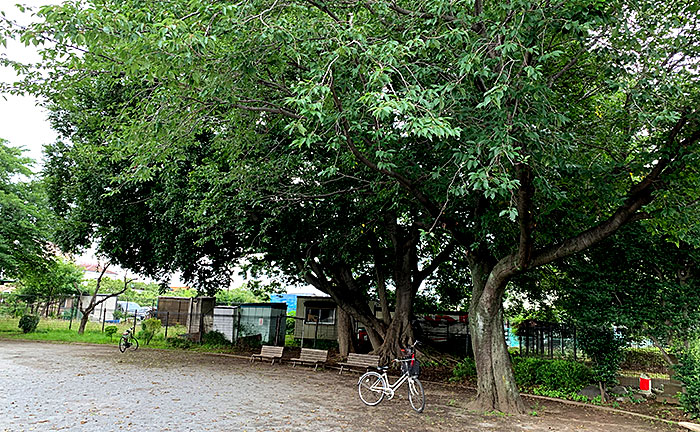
x,y
86,312
83,322
345,333
399,334
496,386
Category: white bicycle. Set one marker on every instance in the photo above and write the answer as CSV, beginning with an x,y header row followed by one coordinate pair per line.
x,y
374,386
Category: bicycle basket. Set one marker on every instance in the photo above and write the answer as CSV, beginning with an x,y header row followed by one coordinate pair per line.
x,y
412,366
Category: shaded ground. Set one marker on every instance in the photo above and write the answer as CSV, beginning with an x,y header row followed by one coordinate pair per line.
x,y
47,387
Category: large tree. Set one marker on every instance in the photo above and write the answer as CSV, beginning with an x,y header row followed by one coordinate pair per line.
x,y
641,283
232,199
24,217
529,131
51,282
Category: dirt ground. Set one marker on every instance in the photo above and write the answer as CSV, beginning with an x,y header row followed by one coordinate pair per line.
x,y
53,387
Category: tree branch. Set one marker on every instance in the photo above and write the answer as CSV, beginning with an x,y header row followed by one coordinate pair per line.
x,y
638,196
525,215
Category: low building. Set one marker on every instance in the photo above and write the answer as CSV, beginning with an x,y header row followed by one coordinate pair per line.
x,y
251,319
316,318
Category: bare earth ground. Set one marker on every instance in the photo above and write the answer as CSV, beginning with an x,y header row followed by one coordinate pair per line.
x,y
52,387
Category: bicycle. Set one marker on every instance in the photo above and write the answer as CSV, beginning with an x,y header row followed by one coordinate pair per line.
x,y
128,341
374,386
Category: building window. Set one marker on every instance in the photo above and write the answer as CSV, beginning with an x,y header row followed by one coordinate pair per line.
x,y
322,315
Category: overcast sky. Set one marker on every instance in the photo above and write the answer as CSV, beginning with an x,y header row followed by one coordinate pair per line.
x,y
22,122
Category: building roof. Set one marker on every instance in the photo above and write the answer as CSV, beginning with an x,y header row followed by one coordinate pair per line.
x,y
96,268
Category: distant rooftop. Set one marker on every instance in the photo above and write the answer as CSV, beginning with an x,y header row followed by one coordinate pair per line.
x,y
96,268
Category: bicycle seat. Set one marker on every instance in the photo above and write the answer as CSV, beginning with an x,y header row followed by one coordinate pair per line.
x,y
383,368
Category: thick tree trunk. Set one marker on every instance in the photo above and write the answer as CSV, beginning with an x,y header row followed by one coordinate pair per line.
x,y
345,333
83,322
496,386
399,334
86,313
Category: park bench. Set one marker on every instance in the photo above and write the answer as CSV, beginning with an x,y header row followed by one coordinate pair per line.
x,y
270,353
365,361
311,356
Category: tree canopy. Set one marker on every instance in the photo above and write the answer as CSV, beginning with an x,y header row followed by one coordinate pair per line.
x,y
526,132
24,217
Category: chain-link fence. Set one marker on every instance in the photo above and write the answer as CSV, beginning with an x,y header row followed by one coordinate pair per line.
x,y
269,324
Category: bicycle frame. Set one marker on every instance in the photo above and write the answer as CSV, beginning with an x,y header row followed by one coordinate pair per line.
x,y
390,389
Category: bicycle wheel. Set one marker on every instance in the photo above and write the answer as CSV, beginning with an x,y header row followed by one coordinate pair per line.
x,y
122,344
416,395
371,388
134,343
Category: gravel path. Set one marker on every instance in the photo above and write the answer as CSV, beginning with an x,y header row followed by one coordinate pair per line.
x,y
54,387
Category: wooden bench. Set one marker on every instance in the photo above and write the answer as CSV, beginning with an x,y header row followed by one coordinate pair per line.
x,y
269,352
360,360
312,356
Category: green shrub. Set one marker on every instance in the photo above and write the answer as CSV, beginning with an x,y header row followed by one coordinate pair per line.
x,y
554,375
291,322
150,328
28,323
526,370
464,369
118,314
572,395
644,359
688,372
565,375
111,330
178,342
215,338
604,347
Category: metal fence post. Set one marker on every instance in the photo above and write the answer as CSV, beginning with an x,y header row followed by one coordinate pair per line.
x,y
277,330
72,308
104,318
238,325
167,322
316,331
201,322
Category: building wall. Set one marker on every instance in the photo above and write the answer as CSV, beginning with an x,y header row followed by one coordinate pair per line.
x,y
250,320
311,330
174,310
107,307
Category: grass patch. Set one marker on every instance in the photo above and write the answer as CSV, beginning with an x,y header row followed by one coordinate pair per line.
x,y
58,330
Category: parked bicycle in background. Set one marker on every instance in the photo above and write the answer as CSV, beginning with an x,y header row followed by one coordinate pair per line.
x,y
374,386
128,341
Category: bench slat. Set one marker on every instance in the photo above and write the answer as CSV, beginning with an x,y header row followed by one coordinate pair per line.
x,y
360,360
269,352
309,355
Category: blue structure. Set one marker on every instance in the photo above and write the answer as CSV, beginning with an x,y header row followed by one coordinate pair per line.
x,y
289,299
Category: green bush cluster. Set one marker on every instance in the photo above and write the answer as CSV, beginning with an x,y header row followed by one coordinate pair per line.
x,y
571,395
646,359
150,327
688,372
605,348
28,323
464,370
178,342
111,331
215,338
560,375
